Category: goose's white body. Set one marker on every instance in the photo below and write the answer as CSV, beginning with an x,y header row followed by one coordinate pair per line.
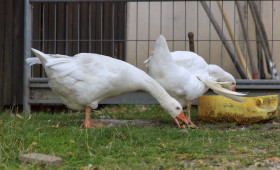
x,y
83,80
209,76
199,67
186,75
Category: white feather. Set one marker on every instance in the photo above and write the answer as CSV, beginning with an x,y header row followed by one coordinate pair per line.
x,y
187,76
33,60
85,79
220,90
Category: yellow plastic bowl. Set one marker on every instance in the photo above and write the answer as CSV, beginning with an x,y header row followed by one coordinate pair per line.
x,y
254,110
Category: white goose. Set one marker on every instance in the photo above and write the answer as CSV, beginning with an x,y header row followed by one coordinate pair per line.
x,y
83,80
186,75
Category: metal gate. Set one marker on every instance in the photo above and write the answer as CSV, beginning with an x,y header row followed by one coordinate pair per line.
x,y
238,36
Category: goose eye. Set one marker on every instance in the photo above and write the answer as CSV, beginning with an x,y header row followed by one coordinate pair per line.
x,y
178,108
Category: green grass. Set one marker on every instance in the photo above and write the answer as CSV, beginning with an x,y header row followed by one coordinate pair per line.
x,y
218,145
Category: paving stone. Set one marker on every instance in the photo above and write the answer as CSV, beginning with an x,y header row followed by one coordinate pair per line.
x,y
41,159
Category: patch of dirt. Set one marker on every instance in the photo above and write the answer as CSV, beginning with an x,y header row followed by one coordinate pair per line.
x,y
267,126
134,122
109,122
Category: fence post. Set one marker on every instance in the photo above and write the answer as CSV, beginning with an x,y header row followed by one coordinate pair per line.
x,y
26,54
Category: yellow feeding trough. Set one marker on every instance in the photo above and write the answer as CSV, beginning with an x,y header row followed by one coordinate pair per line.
x,y
222,109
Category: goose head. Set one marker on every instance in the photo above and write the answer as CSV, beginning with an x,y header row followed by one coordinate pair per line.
x,y
231,81
175,110
222,77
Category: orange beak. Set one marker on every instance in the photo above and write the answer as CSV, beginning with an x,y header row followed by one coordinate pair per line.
x,y
234,89
182,117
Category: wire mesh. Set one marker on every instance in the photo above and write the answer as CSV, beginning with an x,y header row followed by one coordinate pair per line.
x,y
127,30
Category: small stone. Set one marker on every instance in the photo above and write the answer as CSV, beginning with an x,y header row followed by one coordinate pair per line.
x,y
184,131
105,117
90,165
41,159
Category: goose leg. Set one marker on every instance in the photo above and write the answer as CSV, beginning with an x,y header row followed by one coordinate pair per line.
x,y
191,124
88,123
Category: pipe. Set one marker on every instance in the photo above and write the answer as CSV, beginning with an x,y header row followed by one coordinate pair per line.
x,y
236,45
225,42
26,54
248,43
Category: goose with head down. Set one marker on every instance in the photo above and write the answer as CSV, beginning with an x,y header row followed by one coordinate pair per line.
x,y
83,80
186,75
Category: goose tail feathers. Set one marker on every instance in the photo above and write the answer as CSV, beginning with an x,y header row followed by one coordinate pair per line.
x,y
42,56
217,88
33,60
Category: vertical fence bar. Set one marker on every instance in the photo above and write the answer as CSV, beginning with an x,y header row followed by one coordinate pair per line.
x,y
185,26
55,26
66,28
222,46
43,36
113,30
210,6
149,25
272,30
89,29
125,31
160,17
79,6
31,45
173,22
197,25
101,30
27,53
136,33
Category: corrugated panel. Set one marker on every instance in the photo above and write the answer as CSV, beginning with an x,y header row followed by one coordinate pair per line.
x,y
71,28
11,52
2,24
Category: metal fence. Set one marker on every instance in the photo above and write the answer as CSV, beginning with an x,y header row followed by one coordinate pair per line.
x,y
239,37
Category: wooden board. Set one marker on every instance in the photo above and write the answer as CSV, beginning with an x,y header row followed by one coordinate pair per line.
x,y
84,27
8,53
69,28
75,28
70,22
61,27
2,31
17,63
96,16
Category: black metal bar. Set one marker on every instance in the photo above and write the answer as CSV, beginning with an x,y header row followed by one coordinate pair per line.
x,y
238,81
89,30
265,82
66,28
113,30
79,9
43,35
160,17
125,31
31,1
101,30
147,40
38,80
55,31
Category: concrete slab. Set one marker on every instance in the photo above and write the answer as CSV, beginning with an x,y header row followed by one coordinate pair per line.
x,y
41,159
